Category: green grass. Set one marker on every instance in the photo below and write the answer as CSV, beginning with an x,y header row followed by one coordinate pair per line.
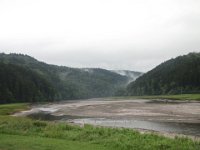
x,y
7,109
26,134
172,97
18,142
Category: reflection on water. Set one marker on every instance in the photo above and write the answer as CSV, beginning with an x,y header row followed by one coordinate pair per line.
x,y
181,128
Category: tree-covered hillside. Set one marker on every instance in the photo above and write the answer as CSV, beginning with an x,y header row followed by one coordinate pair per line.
x,y
65,83
175,76
19,84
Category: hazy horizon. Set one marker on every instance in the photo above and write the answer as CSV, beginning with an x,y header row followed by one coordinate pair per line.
x,y
116,35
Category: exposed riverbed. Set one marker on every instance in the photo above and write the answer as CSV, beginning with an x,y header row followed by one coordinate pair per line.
x,y
179,117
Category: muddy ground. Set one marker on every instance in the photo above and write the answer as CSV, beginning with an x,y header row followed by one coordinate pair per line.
x,y
154,110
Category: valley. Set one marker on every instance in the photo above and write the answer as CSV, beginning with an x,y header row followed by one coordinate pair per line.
x,y
100,75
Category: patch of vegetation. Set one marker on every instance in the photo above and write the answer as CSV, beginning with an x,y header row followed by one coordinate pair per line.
x,y
170,97
24,133
18,142
7,109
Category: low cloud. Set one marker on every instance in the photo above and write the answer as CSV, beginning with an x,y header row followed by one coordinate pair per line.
x,y
134,35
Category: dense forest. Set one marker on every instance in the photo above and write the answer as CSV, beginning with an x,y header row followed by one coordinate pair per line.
x,y
175,76
18,84
25,79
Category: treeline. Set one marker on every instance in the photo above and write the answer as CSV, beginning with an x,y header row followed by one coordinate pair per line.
x,y
24,79
176,76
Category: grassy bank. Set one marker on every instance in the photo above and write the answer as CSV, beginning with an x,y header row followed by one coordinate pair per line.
x,y
7,109
23,133
170,97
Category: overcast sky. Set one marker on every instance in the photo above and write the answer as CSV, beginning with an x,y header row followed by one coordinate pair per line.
x,y
111,34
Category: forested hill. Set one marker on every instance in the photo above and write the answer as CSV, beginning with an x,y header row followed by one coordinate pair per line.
x,y
24,78
19,84
175,76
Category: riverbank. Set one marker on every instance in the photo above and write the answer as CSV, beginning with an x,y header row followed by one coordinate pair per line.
x,y
168,117
23,133
184,97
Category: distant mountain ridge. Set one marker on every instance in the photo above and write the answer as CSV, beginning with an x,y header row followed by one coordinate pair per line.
x,y
66,82
175,76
